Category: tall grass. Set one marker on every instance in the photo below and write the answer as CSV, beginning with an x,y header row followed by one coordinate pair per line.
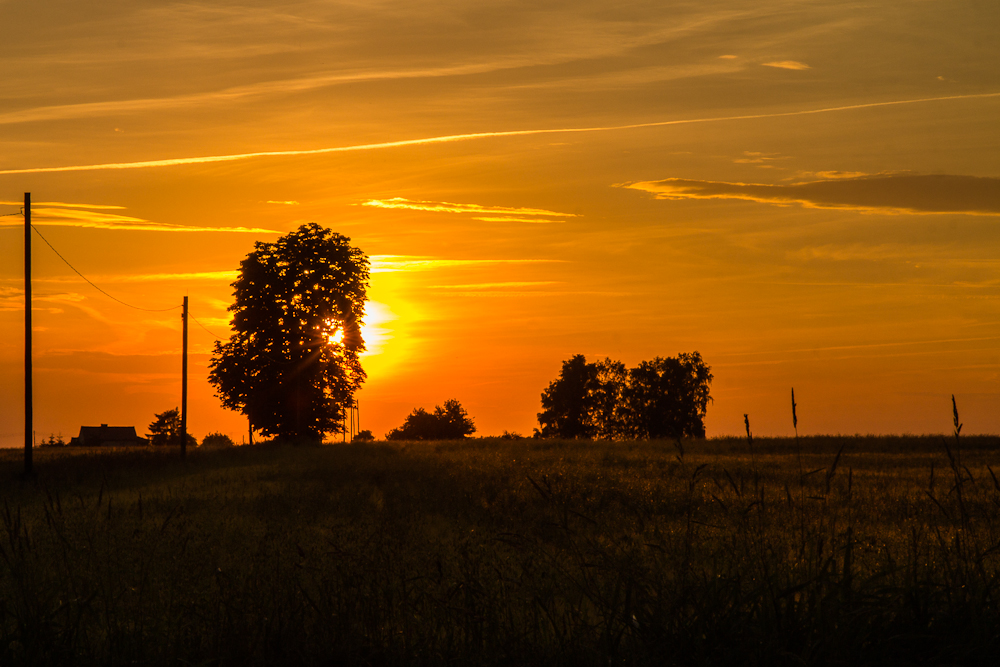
x,y
497,552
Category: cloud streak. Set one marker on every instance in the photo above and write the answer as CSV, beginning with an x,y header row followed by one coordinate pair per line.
x,y
146,277
398,263
173,162
50,216
483,286
787,64
893,193
500,213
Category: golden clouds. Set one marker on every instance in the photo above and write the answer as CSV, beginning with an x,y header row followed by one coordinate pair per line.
x,y
57,214
500,213
470,136
787,64
397,263
479,286
892,193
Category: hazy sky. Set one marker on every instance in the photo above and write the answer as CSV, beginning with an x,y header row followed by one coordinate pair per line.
x,y
806,192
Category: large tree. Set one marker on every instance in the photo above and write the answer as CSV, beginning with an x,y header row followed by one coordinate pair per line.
x,y
291,364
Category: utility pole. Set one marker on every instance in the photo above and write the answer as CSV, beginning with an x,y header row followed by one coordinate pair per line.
x,y
184,381
28,391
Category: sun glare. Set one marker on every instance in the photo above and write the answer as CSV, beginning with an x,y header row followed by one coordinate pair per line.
x,y
374,331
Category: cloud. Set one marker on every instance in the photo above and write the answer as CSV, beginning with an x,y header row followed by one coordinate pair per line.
x,y
481,286
172,162
787,64
519,294
150,277
892,193
63,204
52,216
397,263
290,202
758,158
510,214
536,221
834,174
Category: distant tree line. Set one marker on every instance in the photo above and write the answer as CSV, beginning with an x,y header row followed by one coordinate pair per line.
x,y
663,398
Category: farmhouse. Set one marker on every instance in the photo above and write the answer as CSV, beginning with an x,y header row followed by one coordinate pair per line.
x,y
107,436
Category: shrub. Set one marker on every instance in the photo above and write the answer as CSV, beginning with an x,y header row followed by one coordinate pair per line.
x,y
214,440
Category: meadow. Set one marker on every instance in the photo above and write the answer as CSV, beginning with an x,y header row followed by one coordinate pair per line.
x,y
816,551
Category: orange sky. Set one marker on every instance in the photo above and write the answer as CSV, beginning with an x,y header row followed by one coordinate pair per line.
x,y
806,193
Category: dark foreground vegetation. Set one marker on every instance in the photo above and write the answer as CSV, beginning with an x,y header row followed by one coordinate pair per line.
x,y
507,552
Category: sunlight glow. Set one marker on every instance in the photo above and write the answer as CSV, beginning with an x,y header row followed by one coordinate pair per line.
x,y
375,331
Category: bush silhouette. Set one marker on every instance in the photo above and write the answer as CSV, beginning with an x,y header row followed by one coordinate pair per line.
x,y
450,422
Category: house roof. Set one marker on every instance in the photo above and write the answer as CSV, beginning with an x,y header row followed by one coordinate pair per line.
x,y
99,435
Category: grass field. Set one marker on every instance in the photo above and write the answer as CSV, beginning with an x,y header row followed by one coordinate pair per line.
x,y
826,550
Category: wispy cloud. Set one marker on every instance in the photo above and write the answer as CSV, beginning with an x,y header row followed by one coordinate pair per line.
x,y
63,204
903,193
535,221
759,159
831,175
248,92
491,293
397,263
503,285
147,277
787,64
74,215
172,162
500,213
290,202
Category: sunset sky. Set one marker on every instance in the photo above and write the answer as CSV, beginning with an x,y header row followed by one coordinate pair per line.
x,y
805,192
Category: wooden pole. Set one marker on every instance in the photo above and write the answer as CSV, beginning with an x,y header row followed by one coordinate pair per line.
x,y
184,380
28,390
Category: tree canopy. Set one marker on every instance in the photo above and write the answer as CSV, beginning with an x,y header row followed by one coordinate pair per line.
x,y
166,429
292,363
450,422
666,397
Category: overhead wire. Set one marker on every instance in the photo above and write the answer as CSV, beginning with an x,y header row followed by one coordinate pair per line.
x,y
216,336
113,298
91,283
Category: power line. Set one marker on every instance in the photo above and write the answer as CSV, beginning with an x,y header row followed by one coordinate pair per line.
x,y
150,310
4,215
204,327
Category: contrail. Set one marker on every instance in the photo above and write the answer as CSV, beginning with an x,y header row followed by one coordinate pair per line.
x,y
473,135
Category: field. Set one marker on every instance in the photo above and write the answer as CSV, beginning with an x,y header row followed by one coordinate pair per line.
x,y
819,551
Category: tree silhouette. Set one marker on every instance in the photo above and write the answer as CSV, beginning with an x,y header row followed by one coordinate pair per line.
x,y
450,422
667,397
663,398
291,364
166,429
216,440
569,402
